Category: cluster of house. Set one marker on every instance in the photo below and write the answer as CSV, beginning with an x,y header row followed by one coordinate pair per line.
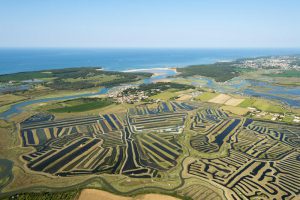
x,y
296,119
283,62
273,116
119,96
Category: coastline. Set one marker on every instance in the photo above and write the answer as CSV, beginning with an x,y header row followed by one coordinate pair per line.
x,y
118,59
151,69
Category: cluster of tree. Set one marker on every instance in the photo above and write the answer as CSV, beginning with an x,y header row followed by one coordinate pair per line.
x,y
22,76
155,88
221,71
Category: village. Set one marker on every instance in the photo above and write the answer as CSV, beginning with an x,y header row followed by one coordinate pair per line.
x,y
279,62
117,94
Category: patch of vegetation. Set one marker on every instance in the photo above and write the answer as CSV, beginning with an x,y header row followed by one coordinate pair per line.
x,y
22,76
268,106
247,103
289,83
287,74
263,105
81,105
70,195
222,71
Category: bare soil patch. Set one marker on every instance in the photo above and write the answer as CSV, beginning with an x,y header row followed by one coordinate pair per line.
x,y
220,99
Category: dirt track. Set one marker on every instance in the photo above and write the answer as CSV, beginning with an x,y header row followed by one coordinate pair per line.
x,y
93,194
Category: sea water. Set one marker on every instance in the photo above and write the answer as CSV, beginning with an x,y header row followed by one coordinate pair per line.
x,y
18,60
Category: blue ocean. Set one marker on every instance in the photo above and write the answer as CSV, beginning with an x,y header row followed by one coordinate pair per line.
x,y
18,60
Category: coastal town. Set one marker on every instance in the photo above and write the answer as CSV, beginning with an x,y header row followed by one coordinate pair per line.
x,y
272,62
117,94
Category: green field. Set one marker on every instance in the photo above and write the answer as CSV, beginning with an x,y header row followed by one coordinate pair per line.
x,y
264,105
80,105
206,96
247,103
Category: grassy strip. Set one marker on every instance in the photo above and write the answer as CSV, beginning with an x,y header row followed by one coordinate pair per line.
x,y
70,195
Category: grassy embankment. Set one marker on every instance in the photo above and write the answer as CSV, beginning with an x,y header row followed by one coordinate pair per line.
x,y
70,195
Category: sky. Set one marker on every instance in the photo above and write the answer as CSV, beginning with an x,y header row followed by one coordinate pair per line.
x,y
150,23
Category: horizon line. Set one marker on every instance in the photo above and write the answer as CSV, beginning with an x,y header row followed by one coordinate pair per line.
x,y
50,47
